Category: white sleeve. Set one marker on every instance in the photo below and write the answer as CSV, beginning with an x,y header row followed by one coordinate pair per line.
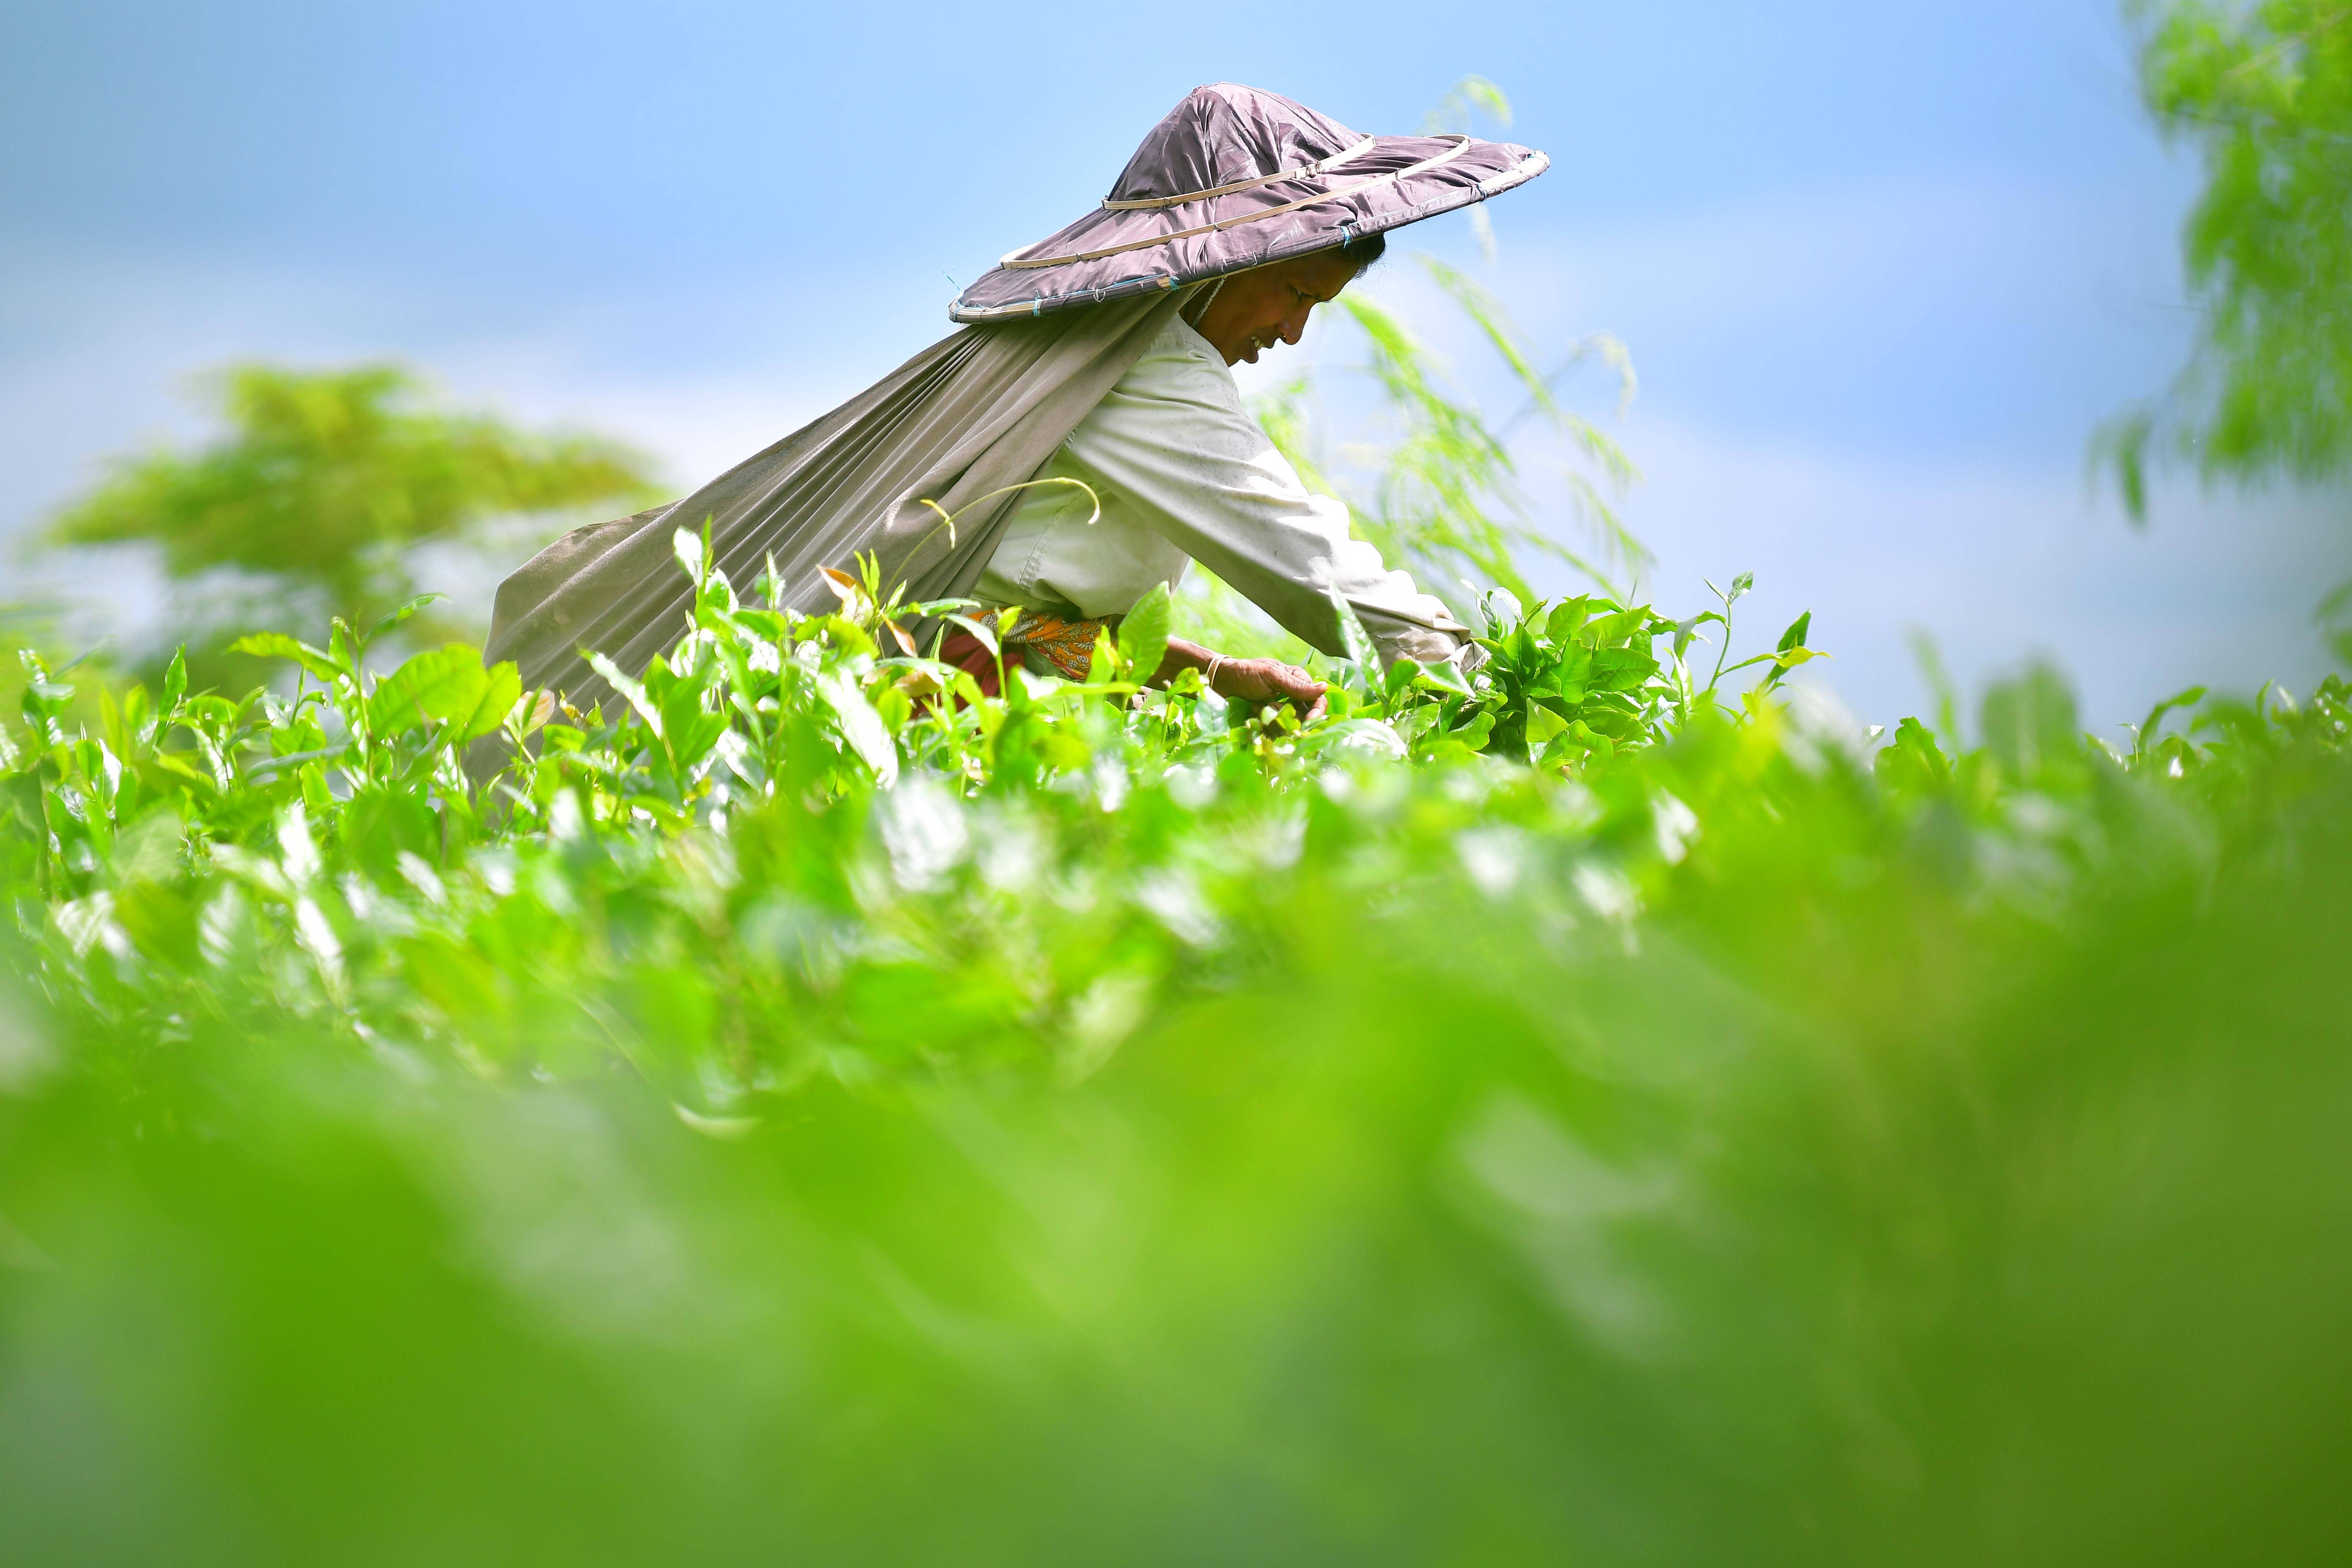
x,y
1174,441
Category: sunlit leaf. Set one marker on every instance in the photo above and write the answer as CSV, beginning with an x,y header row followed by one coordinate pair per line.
x,y
402,613
276,644
1443,675
1143,634
499,696
446,684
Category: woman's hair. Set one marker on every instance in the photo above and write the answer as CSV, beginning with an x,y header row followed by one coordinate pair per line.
x,y
1364,249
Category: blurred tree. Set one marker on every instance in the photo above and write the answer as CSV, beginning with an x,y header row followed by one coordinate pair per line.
x,y
2263,92
327,482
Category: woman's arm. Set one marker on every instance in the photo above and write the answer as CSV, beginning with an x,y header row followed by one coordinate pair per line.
x,y
1173,441
1246,679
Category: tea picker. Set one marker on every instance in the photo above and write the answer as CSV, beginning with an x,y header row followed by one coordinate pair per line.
x,y
1083,428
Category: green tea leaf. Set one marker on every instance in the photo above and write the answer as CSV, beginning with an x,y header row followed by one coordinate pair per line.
x,y
1442,675
278,644
633,691
1790,651
402,613
2155,719
1914,763
500,694
1143,634
861,726
446,684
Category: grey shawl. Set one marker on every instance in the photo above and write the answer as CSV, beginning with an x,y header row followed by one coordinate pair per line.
x,y
975,411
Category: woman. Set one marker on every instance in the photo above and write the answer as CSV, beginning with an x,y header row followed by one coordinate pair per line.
x,y
1181,473
1101,355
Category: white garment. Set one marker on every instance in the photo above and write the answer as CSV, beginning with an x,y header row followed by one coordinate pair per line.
x,y
1184,474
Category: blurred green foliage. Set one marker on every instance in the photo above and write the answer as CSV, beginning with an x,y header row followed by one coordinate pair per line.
x,y
1580,1113
2264,93
325,484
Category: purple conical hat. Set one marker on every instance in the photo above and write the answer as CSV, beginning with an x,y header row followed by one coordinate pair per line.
x,y
1234,178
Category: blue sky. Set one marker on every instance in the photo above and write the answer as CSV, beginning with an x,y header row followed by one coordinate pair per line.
x,y
1883,268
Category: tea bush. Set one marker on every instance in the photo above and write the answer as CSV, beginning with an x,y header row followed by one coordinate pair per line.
x,y
808,1108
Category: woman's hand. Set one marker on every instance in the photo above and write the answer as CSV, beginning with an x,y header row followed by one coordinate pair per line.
x,y
1271,680
1246,679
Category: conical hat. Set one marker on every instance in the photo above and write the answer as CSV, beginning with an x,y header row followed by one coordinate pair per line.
x,y
1233,178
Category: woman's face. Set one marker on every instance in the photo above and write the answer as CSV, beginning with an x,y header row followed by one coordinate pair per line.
x,y
1266,305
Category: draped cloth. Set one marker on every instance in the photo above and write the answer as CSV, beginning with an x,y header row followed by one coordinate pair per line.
x,y
976,412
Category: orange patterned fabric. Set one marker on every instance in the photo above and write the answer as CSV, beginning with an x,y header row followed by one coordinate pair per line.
x,y
1046,645
1051,646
